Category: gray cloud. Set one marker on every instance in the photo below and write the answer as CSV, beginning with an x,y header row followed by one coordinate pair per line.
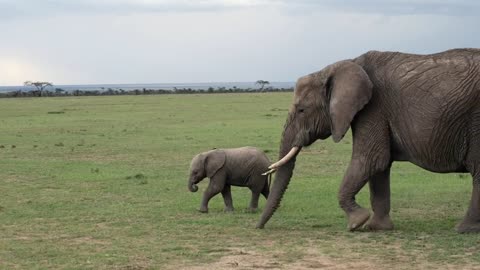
x,y
392,7
10,9
147,41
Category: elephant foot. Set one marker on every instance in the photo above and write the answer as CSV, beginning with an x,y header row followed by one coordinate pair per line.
x,y
357,218
468,227
379,224
203,210
252,210
228,209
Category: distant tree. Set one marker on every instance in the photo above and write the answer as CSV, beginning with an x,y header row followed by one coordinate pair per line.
x,y
59,91
17,93
40,86
262,83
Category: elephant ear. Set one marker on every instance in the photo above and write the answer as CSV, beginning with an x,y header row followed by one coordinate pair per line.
x,y
214,161
350,89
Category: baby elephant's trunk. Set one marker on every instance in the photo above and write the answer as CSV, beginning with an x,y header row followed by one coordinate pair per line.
x,y
192,186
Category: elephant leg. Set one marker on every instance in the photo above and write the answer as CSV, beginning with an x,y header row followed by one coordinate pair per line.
x,y
471,221
213,189
380,200
227,198
355,178
266,191
254,201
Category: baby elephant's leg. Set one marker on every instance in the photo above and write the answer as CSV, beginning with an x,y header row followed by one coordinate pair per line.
x,y
227,198
254,201
260,186
256,189
213,189
266,190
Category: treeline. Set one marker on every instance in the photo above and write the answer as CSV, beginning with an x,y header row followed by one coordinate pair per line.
x,y
58,92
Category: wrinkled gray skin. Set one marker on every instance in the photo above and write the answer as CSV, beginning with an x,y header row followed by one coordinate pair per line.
x,y
424,109
241,167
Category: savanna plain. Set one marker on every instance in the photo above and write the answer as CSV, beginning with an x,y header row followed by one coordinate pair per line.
x,y
101,183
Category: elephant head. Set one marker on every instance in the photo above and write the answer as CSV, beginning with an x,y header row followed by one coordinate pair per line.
x,y
205,165
324,105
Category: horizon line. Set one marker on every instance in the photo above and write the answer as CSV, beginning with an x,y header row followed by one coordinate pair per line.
x,y
167,83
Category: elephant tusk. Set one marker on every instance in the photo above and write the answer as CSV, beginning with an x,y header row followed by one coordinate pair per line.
x,y
285,159
269,172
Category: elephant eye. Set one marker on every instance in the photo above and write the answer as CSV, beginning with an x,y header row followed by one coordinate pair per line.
x,y
301,110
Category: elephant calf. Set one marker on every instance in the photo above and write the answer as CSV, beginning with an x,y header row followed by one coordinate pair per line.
x,y
241,167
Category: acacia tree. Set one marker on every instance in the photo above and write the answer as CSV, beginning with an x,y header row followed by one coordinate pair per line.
x,y
262,83
39,85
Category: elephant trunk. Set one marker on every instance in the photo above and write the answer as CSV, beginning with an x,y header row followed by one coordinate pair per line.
x,y
283,174
192,186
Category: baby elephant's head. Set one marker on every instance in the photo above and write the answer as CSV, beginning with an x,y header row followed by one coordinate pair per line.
x,y
197,172
203,165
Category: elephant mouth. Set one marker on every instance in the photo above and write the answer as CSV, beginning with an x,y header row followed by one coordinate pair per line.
x,y
310,137
194,182
305,138
293,152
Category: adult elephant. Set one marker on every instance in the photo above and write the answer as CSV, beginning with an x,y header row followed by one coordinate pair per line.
x,y
402,107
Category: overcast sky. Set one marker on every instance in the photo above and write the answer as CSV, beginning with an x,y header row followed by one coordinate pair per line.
x,y
169,41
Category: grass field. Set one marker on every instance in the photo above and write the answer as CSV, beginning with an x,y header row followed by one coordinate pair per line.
x,y
101,183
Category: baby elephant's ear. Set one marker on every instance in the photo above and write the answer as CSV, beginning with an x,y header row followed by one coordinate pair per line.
x,y
214,161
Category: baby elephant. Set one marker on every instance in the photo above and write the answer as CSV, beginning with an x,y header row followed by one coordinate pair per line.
x,y
241,167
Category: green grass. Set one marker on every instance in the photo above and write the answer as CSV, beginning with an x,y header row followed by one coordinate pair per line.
x,y
101,183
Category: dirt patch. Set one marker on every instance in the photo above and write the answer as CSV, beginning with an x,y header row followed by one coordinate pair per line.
x,y
313,258
15,178
88,240
136,263
241,259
